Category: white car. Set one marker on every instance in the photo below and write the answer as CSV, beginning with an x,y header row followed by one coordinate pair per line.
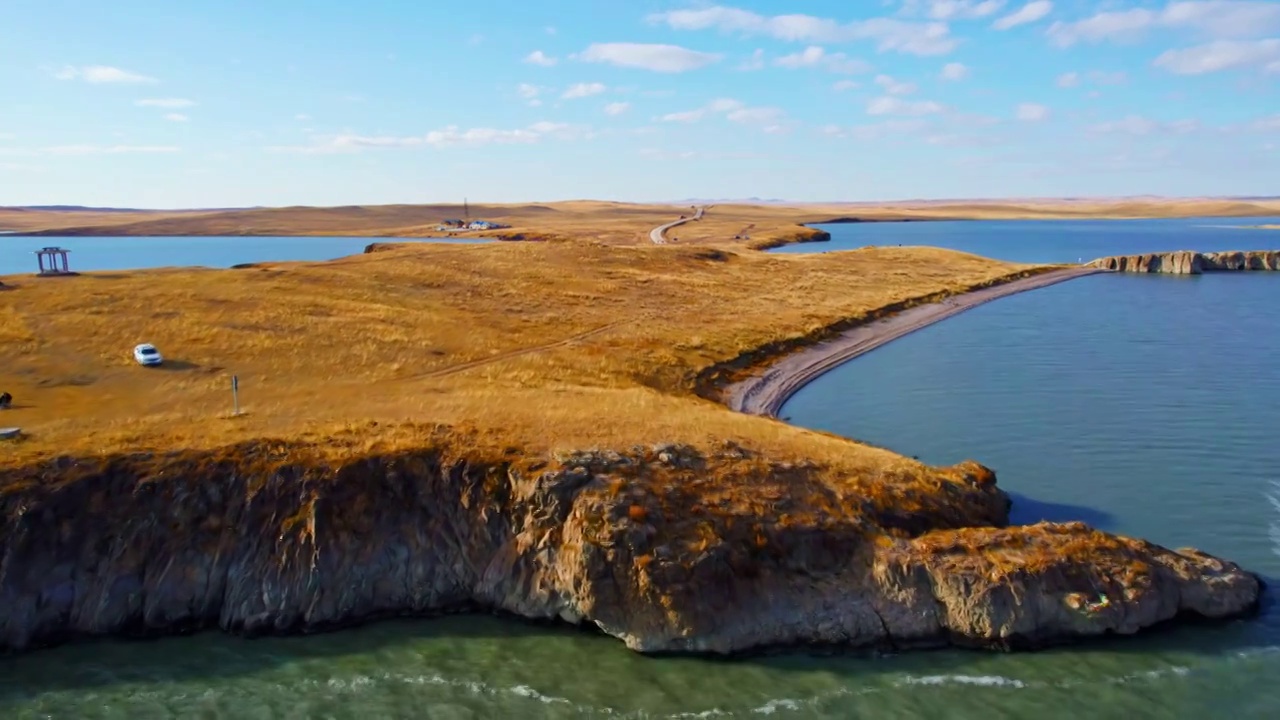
x,y
147,354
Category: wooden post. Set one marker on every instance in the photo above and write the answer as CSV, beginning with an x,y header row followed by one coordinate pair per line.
x,y
235,393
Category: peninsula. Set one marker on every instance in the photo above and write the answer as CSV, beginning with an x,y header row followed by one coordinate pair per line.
x,y
532,428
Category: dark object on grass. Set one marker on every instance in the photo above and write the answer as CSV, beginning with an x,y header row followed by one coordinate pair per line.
x,y
5,401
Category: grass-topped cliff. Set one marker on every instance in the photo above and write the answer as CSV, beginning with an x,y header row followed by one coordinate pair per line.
x,y
525,427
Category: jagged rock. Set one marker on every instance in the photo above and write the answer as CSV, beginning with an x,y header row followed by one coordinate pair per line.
x,y
1185,262
701,554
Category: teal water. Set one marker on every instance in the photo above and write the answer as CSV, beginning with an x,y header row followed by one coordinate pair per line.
x,y
1144,405
128,253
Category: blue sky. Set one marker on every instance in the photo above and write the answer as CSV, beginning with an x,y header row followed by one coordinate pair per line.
x,y
237,102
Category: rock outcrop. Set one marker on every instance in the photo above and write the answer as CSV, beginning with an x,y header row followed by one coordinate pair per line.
x,y
1186,262
670,549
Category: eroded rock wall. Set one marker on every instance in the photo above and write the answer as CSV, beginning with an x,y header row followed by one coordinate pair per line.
x,y
666,548
1191,263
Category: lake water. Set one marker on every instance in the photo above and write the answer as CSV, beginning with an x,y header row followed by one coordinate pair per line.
x,y
1144,405
1054,241
128,253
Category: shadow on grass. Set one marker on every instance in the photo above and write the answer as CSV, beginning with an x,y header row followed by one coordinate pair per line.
x,y
175,366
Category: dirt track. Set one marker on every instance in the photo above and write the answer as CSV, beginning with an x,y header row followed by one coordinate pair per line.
x,y
765,394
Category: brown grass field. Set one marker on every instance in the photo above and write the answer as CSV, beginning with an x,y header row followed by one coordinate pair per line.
x,y
502,353
609,222
539,346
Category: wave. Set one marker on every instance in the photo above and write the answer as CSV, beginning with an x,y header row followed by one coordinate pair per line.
x,y
1274,498
782,707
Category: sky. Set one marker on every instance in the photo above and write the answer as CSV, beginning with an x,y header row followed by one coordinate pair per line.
x,y
232,103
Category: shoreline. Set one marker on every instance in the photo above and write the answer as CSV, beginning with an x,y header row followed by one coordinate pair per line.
x,y
766,393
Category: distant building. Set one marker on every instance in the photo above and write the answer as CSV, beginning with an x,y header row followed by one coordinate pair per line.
x,y
453,223
484,225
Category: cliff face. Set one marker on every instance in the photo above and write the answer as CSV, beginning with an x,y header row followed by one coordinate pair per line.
x,y
1186,262
665,548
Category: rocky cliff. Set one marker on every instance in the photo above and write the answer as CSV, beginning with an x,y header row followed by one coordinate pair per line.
x,y
668,548
1186,262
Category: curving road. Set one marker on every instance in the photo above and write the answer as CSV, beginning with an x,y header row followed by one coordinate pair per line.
x,y
764,394
658,234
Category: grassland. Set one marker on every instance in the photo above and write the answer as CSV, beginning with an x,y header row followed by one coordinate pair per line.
x,y
540,346
365,375
593,221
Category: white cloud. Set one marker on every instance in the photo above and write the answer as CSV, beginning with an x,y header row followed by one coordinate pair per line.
x,y
1221,55
108,149
889,34
167,103
1029,13
1032,112
755,62
893,87
103,74
723,105
958,9
686,116
450,136
581,90
529,93
1138,125
176,117
768,118
644,56
616,108
302,117
842,85
1217,19
816,56
876,131
1069,80
955,71
888,105
537,57
755,115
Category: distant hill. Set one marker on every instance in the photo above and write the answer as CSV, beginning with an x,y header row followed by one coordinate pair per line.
x,y
86,208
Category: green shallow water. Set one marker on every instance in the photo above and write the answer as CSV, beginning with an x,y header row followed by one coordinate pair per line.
x,y
1143,405
480,667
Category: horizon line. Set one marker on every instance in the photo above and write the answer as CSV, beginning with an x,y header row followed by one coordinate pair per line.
x,y
68,207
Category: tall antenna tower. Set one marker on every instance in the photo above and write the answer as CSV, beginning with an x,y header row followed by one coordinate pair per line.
x,y
466,210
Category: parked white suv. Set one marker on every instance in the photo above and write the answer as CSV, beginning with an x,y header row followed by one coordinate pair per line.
x,y
147,354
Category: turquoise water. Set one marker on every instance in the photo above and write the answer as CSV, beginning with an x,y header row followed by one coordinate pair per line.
x,y
1144,405
127,253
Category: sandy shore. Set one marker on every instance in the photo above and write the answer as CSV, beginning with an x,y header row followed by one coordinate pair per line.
x,y
765,394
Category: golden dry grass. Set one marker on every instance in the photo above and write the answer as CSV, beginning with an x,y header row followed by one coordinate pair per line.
x,y
598,221
539,346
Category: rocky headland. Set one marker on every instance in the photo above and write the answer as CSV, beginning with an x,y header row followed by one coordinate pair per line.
x,y
659,546
1186,262
425,463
